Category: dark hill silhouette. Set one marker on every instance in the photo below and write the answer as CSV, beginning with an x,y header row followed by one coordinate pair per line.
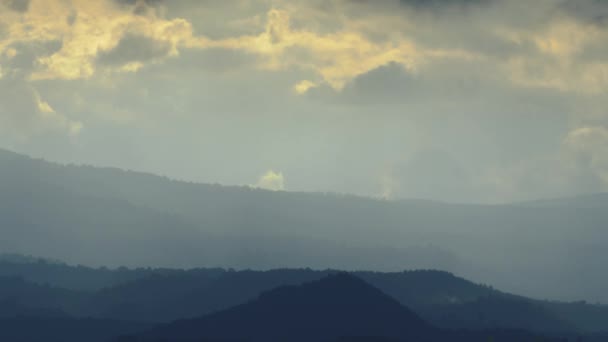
x,y
336,306
179,295
439,297
339,307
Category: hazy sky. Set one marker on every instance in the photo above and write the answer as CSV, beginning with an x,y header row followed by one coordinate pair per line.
x,y
457,100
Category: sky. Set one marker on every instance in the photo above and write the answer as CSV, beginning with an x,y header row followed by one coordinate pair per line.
x,y
483,101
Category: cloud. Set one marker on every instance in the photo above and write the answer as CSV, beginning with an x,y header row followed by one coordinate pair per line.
x,y
430,174
24,114
91,33
336,56
443,4
22,57
140,6
389,83
350,85
17,5
271,180
591,11
578,166
304,86
216,59
587,149
134,49
23,111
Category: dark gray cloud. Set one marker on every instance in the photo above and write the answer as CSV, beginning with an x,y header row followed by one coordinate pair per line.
x,y
28,54
592,11
136,2
476,26
3,31
439,4
140,7
432,5
386,84
220,19
216,59
18,5
134,48
71,18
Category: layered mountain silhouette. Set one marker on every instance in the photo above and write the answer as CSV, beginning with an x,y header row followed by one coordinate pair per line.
x,y
130,221
337,307
164,295
79,213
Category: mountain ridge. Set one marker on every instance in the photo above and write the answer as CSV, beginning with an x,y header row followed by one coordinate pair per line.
x,y
539,201
335,307
147,220
164,295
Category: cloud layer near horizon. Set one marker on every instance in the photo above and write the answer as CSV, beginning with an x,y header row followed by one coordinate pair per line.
x,y
459,100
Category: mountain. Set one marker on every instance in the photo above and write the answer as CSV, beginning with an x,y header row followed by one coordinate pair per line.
x,y
78,278
163,295
131,211
21,298
439,297
597,200
80,213
336,307
65,329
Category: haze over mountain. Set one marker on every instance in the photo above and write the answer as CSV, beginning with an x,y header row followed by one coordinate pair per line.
x,y
79,213
477,101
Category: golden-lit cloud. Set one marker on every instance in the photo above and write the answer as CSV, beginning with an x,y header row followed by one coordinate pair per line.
x,y
558,59
88,29
304,86
271,180
85,29
327,44
336,57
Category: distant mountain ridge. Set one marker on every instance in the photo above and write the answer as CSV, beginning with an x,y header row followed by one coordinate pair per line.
x,y
336,307
79,213
164,295
581,201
